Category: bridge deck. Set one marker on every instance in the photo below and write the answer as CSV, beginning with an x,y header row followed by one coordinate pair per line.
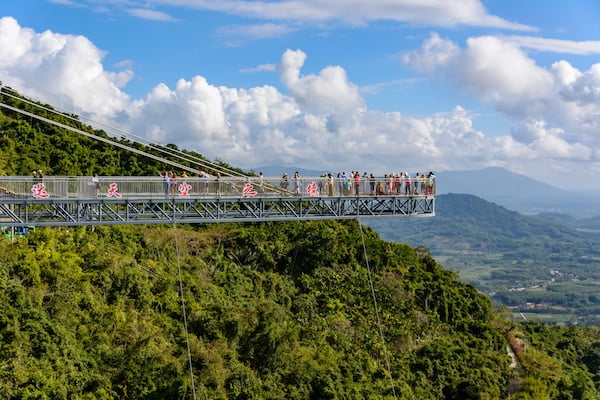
x,y
71,201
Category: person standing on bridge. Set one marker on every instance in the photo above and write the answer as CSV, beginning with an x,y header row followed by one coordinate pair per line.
x,y
166,182
356,183
261,183
330,184
283,184
204,182
173,183
96,184
416,182
297,183
372,183
218,184
38,176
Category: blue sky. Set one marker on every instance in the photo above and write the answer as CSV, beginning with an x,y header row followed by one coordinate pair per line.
x,y
386,86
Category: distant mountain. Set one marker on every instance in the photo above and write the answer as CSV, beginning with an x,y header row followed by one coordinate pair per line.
x,y
592,224
495,183
498,185
519,192
467,221
278,170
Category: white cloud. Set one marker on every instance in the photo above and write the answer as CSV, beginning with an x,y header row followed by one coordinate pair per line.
x,y
447,13
329,93
499,72
583,88
153,15
549,142
320,120
260,68
60,69
243,33
490,69
585,47
434,54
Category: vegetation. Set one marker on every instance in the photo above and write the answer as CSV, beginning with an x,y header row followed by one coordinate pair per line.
x,y
273,310
529,263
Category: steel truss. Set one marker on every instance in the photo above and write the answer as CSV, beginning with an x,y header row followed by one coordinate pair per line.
x,y
77,212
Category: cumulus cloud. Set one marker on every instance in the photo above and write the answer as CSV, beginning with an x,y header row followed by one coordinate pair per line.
x,y
490,69
320,120
61,69
582,88
548,142
500,72
329,93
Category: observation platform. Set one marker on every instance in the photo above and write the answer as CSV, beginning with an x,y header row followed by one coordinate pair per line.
x,y
77,201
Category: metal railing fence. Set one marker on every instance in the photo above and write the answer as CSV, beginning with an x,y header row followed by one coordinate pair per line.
x,y
81,187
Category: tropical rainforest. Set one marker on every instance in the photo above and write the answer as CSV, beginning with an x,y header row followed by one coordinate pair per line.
x,y
297,310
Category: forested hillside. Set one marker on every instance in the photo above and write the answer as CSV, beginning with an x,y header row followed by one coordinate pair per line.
x,y
297,310
274,311
532,263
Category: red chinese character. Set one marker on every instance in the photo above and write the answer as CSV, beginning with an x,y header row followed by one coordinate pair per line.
x,y
312,189
184,189
112,191
39,191
248,190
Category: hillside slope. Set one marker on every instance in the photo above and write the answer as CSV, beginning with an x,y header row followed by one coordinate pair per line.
x,y
274,311
514,258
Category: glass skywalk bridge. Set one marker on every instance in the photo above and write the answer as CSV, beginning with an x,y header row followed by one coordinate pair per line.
x,y
75,201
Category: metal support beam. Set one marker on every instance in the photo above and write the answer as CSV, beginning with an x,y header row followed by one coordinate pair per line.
x,y
77,212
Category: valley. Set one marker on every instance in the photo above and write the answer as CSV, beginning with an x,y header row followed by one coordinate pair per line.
x,y
534,265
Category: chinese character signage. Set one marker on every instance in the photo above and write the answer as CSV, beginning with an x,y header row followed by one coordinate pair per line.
x,y
184,190
39,191
249,190
112,191
312,189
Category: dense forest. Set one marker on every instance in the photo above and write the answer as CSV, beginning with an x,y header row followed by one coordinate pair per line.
x,y
298,310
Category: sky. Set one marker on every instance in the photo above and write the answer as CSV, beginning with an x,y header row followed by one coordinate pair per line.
x,y
334,85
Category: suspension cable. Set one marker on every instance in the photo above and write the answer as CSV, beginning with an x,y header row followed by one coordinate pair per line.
x,y
185,324
101,139
379,325
68,115
135,138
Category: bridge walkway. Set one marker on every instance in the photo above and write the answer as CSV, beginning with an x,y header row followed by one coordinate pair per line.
x,y
77,201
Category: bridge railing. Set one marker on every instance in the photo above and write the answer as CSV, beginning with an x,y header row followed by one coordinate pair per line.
x,y
61,187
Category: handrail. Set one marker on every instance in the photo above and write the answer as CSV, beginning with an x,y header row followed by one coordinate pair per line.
x,y
74,187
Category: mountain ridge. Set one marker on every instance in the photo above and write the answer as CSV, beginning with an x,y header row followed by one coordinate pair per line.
x,y
499,250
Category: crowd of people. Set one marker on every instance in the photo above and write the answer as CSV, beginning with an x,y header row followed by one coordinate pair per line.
x,y
357,184
339,184
327,184
330,184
